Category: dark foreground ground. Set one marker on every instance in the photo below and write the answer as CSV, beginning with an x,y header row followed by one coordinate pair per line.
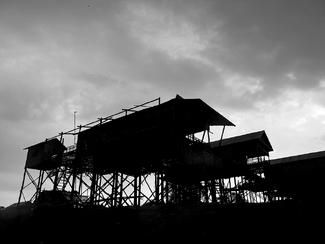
x,y
213,223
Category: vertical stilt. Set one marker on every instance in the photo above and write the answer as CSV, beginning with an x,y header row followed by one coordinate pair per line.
x,y
206,194
93,188
22,186
135,191
56,180
121,190
221,190
162,188
80,189
157,187
213,190
139,195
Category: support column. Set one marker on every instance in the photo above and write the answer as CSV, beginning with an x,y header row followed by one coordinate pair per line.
x,y
39,184
80,189
56,179
221,190
156,187
121,191
139,195
135,191
167,192
74,178
93,189
206,189
22,186
213,190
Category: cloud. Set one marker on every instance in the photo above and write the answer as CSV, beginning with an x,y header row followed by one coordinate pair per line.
x,y
267,40
293,122
260,63
72,56
166,32
22,96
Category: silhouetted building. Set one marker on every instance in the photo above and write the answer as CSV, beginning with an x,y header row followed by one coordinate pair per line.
x,y
151,154
299,177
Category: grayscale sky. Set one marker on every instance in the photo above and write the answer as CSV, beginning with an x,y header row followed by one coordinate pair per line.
x,y
259,63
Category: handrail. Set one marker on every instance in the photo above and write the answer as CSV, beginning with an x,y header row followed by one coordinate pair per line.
x,y
106,119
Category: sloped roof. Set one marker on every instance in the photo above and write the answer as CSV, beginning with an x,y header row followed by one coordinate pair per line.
x,y
53,141
197,110
147,135
252,144
298,158
259,135
186,116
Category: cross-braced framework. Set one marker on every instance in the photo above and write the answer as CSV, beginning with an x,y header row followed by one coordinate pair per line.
x,y
148,154
49,175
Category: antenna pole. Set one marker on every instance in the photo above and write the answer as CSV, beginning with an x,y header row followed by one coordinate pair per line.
x,y
74,127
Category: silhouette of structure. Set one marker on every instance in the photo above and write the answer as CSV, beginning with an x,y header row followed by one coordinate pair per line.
x,y
244,159
299,177
150,154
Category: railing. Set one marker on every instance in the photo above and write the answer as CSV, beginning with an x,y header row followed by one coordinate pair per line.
x,y
104,120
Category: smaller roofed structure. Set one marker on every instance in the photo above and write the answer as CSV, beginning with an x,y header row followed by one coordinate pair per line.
x,y
237,152
252,145
45,155
298,177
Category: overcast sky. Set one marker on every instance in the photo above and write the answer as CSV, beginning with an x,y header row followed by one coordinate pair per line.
x,y
259,63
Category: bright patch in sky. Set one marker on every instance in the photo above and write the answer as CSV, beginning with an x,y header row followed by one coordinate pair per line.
x,y
170,34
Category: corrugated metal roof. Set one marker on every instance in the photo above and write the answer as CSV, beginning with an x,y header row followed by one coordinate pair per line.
x,y
298,158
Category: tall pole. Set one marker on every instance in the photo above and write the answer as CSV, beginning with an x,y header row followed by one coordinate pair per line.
x,y
74,127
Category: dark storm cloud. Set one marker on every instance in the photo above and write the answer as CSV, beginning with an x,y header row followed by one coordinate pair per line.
x,y
271,39
121,46
279,43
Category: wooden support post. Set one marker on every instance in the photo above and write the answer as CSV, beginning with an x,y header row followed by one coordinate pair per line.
x,y
135,191
56,177
162,188
39,186
206,194
202,140
93,188
139,195
114,189
40,181
223,131
237,195
22,186
157,187
121,190
166,192
221,190
213,190
80,187
74,178
56,180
